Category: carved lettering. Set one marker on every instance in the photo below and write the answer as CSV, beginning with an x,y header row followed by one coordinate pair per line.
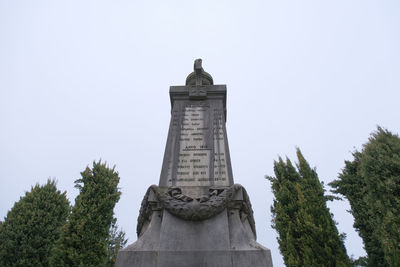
x,y
183,167
200,166
220,166
204,179
195,153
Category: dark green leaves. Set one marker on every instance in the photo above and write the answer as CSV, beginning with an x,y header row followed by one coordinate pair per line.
x,y
371,183
32,226
84,239
307,233
115,241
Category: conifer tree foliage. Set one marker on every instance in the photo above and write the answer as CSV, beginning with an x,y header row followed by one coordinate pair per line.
x,y
32,226
115,241
83,240
371,183
307,233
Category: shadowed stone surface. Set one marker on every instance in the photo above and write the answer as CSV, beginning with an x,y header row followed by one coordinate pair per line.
x,y
196,216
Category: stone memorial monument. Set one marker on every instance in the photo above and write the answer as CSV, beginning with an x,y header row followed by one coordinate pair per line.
x,y
196,216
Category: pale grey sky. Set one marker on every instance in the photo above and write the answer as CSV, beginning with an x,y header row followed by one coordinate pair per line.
x,y
84,80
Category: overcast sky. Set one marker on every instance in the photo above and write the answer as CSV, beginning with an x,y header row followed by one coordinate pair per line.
x,y
89,80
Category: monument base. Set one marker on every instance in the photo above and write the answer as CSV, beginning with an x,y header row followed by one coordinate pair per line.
x,y
249,258
225,240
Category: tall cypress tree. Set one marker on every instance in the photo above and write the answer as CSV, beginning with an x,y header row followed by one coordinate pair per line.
x,y
83,240
371,183
32,226
307,233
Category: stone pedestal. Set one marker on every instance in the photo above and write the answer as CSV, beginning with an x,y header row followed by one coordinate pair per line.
x,y
226,239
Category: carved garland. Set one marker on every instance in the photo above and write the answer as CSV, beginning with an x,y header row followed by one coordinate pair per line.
x,y
191,209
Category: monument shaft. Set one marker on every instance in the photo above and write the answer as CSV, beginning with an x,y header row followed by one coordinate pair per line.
x,y
197,153
196,216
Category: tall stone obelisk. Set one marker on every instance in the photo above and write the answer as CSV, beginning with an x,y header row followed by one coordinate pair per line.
x,y
196,216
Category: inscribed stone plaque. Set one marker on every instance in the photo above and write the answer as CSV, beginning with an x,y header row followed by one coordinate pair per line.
x,y
197,151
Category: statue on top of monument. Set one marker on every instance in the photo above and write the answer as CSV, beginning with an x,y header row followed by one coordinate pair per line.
x,y
198,68
199,77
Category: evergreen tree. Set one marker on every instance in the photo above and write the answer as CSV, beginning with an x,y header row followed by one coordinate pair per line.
x,y
353,187
371,183
32,226
115,241
83,240
359,262
307,233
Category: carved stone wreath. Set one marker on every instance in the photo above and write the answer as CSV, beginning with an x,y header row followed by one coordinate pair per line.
x,y
194,209
198,209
